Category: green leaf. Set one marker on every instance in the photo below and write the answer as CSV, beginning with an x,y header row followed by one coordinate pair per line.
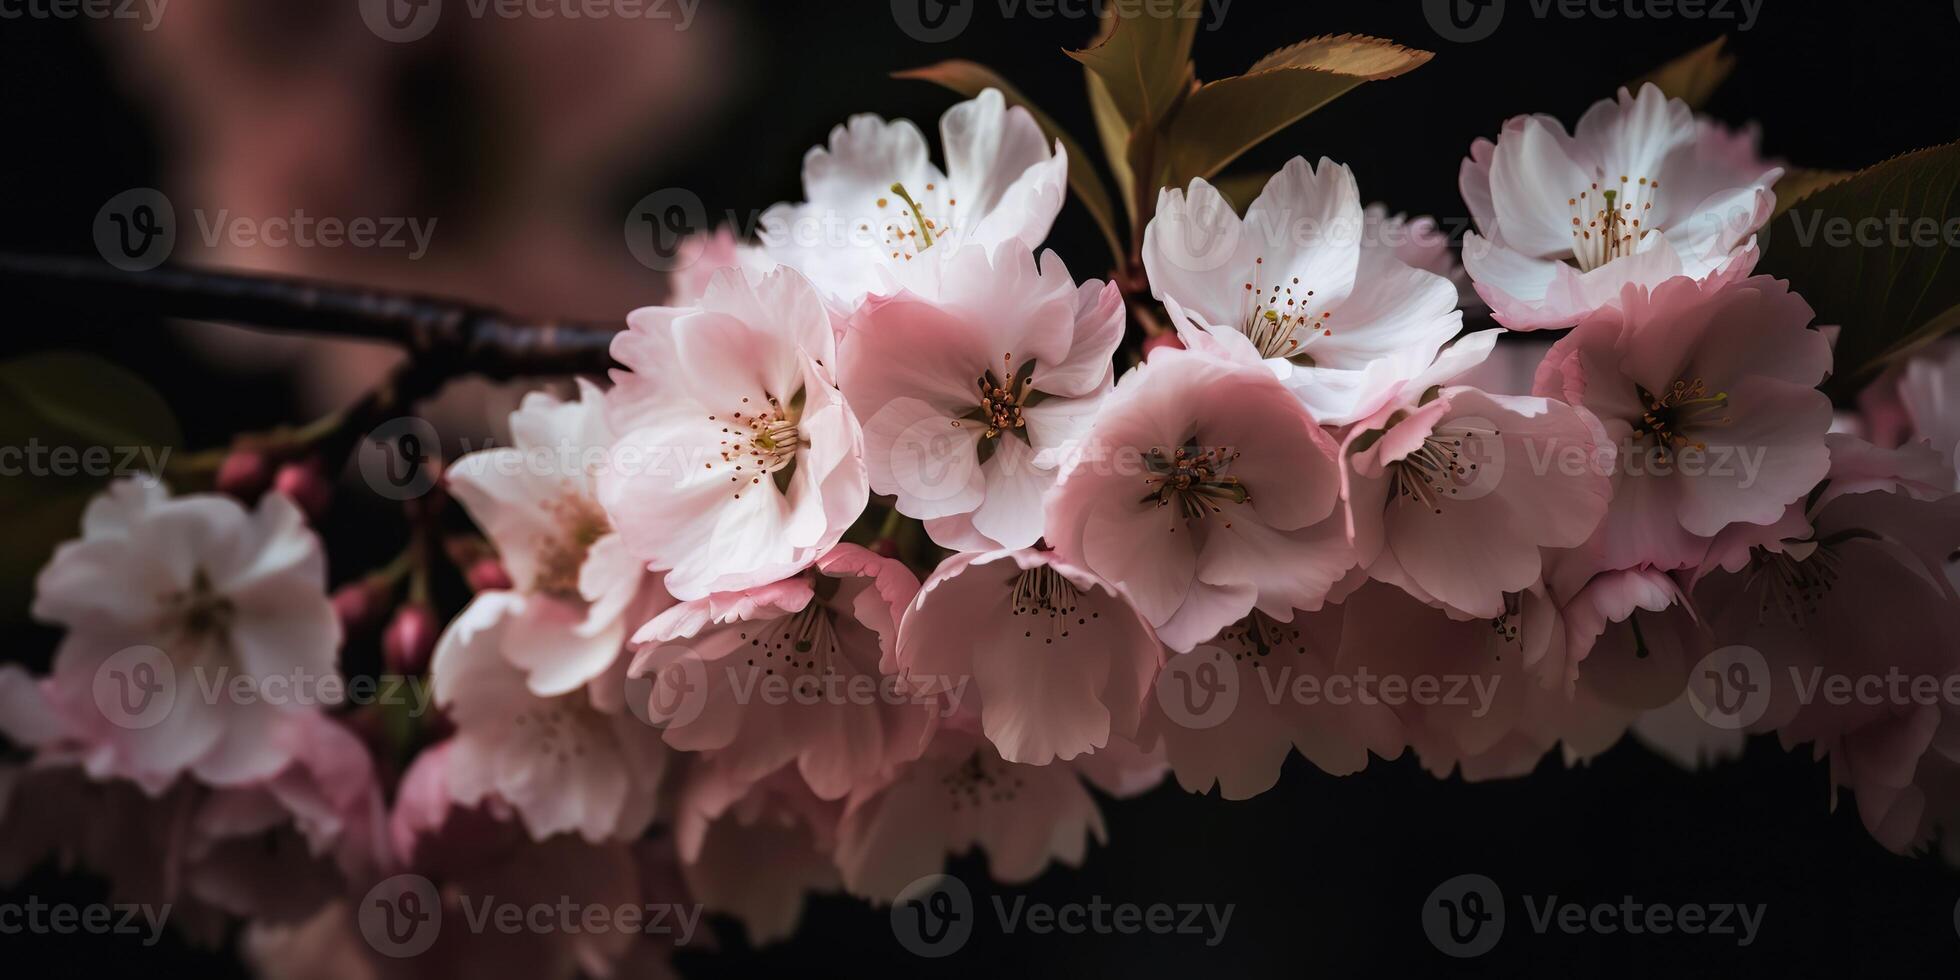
x,y
1798,183
1114,132
1873,253
970,78
1145,60
1694,76
1242,189
66,402
1225,118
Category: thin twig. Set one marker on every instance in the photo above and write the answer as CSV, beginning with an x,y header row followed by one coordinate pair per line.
x,y
444,337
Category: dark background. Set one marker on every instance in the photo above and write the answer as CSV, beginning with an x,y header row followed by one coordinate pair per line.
x,y
1327,875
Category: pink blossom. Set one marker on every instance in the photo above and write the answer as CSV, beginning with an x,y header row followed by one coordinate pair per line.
x,y
877,202
970,391
1203,490
789,673
1057,657
1453,499
1708,395
1292,286
738,461
169,605
1640,192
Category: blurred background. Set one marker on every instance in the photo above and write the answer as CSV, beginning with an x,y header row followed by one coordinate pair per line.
x,y
519,146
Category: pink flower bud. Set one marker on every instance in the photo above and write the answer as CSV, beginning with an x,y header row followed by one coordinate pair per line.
x,y
305,484
409,639
359,604
488,575
244,474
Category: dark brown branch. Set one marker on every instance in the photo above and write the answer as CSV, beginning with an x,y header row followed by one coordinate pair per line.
x,y
443,338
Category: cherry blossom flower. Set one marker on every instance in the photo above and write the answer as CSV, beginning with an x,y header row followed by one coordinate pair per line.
x,y
577,589
1930,394
738,461
1241,747
969,397
961,795
877,201
170,605
1641,191
1453,498
1058,659
755,849
1480,695
1292,285
1852,622
1708,395
1420,243
789,673
571,763
1203,490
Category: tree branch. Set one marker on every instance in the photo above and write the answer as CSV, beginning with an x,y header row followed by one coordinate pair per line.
x,y
443,338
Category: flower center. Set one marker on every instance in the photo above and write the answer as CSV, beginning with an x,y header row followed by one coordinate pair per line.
x,y
1608,223
1439,468
1258,636
762,442
202,618
804,642
974,783
1044,592
1194,480
1277,321
562,728
1001,402
912,232
1670,415
579,523
1794,582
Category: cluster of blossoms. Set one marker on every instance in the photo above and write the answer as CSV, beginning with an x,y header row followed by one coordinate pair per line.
x,y
892,554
